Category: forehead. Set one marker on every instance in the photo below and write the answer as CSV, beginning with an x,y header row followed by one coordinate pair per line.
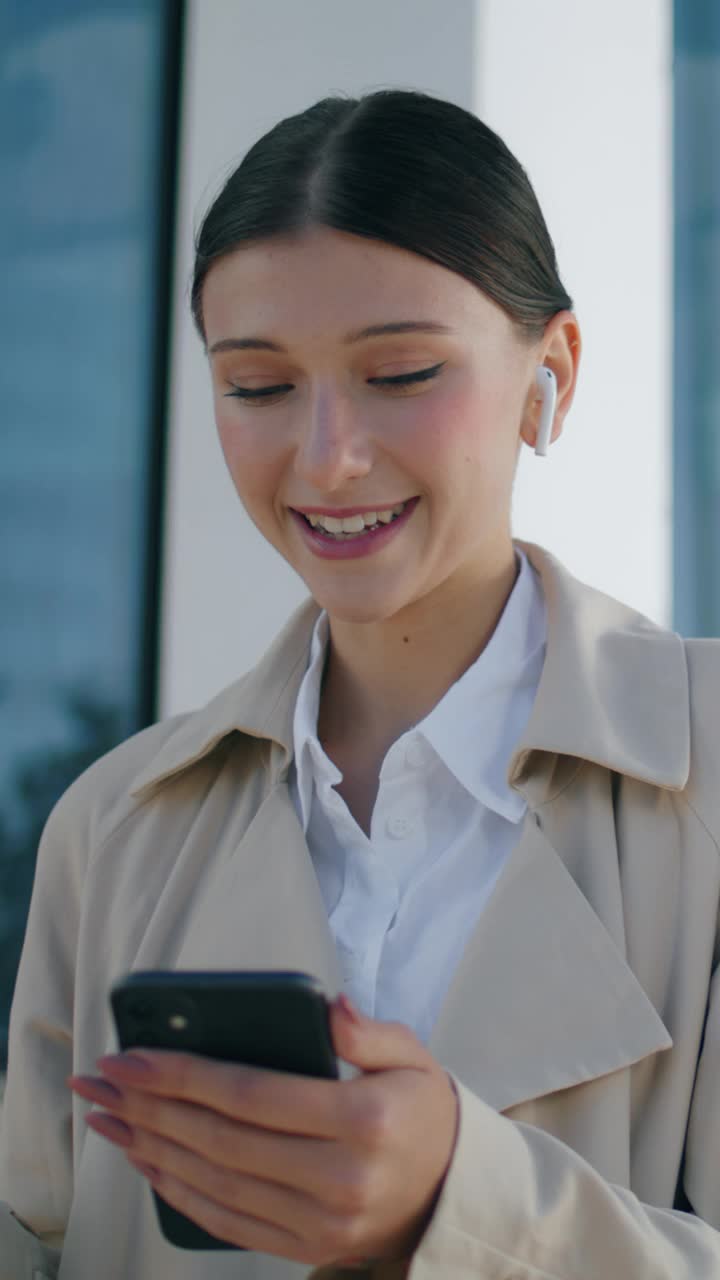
x,y
323,283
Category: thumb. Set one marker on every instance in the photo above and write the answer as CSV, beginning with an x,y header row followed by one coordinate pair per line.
x,y
373,1045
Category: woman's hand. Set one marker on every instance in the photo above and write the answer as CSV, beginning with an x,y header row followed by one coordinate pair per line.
x,y
318,1171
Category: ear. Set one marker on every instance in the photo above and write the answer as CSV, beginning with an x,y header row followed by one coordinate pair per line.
x,y
560,350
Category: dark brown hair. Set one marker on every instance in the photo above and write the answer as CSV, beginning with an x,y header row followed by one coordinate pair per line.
x,y
403,167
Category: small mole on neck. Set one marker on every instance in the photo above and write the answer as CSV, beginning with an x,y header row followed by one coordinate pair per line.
x,y
405,639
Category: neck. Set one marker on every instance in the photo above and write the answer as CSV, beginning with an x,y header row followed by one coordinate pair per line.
x,y
381,678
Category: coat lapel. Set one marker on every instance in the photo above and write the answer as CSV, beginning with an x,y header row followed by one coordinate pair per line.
x,y
263,908
542,998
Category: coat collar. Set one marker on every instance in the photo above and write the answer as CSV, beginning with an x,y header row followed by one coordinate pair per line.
x,y
613,690
543,997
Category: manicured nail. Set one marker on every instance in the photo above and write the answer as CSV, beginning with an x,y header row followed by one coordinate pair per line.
x,y
111,1128
125,1067
95,1090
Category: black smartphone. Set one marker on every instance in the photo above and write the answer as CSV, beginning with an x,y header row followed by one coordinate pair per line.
x,y
278,1020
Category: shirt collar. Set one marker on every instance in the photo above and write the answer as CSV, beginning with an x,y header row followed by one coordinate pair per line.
x,y
478,723
307,749
475,725
614,689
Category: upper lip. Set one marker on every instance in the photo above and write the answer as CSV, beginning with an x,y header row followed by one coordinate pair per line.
x,y
340,512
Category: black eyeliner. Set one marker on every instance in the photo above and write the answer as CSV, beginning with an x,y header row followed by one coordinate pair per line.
x,y
400,380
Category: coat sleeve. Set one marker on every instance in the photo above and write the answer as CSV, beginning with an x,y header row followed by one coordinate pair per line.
x,y
518,1204
36,1156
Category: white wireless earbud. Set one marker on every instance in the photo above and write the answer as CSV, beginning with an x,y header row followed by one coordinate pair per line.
x,y
547,383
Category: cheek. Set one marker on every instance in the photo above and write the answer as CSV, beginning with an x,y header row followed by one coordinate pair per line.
x,y
251,453
463,428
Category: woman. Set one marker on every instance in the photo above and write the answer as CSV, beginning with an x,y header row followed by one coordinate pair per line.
x,y
464,789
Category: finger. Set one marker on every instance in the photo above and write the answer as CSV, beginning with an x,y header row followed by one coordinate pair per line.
x,y
374,1045
289,1159
292,1210
332,1171
236,1227
272,1099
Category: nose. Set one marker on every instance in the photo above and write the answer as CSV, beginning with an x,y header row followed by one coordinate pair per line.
x,y
332,448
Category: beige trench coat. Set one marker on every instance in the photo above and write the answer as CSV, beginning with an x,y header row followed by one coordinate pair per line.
x,y
583,1023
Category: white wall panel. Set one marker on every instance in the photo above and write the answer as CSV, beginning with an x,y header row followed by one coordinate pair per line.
x,y
582,94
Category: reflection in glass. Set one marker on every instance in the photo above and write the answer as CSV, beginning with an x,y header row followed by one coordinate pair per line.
x,y
696,408
83,103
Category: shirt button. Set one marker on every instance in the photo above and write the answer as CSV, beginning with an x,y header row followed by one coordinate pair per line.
x,y
399,827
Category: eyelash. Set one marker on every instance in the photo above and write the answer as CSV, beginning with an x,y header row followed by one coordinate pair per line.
x,y
402,380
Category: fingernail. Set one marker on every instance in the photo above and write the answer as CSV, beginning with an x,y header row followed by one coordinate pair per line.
x,y
110,1128
123,1066
95,1090
349,1009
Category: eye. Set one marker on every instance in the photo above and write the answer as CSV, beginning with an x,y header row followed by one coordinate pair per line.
x,y
408,379
245,393
397,383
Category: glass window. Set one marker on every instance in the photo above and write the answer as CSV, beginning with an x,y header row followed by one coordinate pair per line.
x,y
87,140
696,410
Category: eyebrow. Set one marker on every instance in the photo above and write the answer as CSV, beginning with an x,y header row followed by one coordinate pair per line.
x,y
372,331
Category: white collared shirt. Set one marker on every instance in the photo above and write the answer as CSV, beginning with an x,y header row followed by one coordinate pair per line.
x,y
403,902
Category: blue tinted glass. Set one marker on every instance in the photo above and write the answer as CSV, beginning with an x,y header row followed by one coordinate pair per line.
x,y
696,411
82,101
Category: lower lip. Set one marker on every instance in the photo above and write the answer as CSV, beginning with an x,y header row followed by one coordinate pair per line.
x,y
363,545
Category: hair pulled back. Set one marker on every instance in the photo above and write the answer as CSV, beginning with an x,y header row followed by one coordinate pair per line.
x,y
403,167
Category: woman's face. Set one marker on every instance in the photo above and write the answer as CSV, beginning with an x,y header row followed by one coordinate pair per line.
x,y
333,439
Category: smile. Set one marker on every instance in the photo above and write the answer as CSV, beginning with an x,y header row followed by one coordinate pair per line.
x,y
342,537
351,526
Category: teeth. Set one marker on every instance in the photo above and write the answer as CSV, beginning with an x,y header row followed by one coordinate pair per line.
x,y
355,524
352,524
332,524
